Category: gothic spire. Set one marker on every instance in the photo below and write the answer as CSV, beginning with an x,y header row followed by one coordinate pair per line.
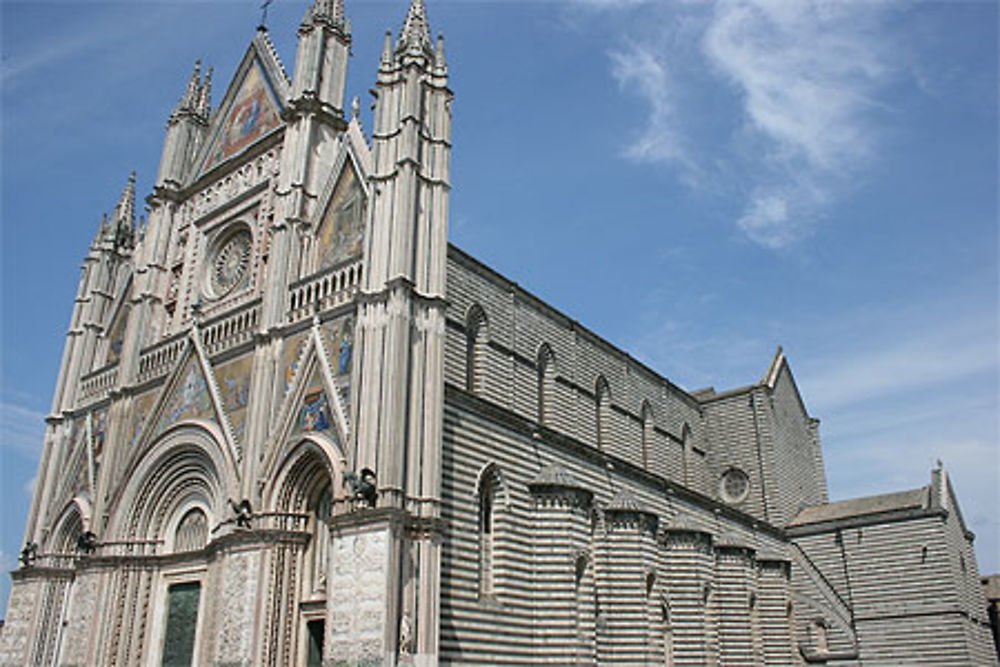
x,y
190,99
325,11
123,223
416,35
205,95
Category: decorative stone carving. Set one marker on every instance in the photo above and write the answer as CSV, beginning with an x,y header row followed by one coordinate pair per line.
x,y
357,594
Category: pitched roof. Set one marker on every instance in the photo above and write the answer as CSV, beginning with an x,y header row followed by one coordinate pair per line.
x,y
856,507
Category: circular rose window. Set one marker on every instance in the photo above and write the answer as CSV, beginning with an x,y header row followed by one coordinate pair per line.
x,y
230,263
734,486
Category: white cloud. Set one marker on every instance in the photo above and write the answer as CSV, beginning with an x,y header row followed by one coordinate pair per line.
x,y
930,357
807,76
641,68
21,429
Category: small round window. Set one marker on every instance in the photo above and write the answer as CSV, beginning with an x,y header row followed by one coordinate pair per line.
x,y
734,486
229,263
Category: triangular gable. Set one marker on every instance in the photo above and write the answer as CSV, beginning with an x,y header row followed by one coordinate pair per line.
x,y
114,330
234,388
340,229
313,404
190,393
251,108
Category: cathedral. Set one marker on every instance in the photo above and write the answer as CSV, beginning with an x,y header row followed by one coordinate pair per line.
x,y
293,425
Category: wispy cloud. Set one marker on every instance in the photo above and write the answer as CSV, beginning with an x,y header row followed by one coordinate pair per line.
x,y
21,429
930,357
809,74
641,68
804,79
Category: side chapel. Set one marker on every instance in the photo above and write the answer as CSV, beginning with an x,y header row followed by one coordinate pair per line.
x,y
294,426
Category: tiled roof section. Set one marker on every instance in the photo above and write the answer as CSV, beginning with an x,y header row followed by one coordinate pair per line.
x,y
555,475
729,539
625,501
846,509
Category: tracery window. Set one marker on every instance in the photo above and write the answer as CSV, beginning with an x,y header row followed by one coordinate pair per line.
x,y
192,531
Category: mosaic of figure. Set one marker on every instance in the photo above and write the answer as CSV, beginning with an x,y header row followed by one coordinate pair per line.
x,y
140,415
190,399
234,382
99,430
315,412
342,230
117,337
252,115
292,357
340,342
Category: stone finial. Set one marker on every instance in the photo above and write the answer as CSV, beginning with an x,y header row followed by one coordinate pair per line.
x,y
355,107
330,12
439,59
415,36
387,48
205,95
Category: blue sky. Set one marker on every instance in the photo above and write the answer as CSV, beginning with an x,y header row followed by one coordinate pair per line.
x,y
698,182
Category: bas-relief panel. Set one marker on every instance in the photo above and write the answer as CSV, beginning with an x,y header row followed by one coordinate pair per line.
x,y
234,384
357,592
340,234
77,625
237,606
252,115
291,357
189,400
14,638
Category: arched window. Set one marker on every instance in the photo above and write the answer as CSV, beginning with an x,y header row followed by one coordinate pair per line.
x,y
546,378
603,404
489,494
647,432
476,338
192,531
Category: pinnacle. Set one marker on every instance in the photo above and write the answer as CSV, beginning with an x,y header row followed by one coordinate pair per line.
x,y
416,35
325,11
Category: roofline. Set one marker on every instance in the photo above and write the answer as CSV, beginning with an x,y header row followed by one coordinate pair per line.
x,y
498,278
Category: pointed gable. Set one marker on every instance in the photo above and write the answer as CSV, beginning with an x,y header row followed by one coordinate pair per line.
x,y
251,108
188,399
315,412
341,232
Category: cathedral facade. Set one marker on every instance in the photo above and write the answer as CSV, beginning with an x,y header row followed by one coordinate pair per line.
x,y
294,426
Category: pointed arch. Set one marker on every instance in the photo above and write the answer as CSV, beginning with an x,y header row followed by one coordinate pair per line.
x,y
476,347
72,521
187,466
602,404
299,472
312,377
491,492
546,372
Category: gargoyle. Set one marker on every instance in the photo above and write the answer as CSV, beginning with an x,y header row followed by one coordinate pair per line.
x,y
86,542
363,487
28,554
243,512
